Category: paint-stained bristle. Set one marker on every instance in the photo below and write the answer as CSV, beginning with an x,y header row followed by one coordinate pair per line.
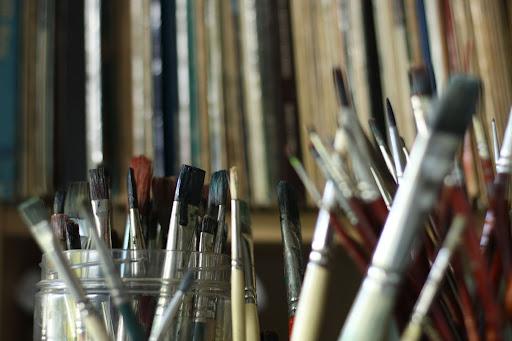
x,y
143,172
58,222
58,202
76,193
132,189
33,211
339,82
419,81
287,199
390,114
218,191
189,186
99,183
379,139
72,235
455,108
245,218
233,183
209,225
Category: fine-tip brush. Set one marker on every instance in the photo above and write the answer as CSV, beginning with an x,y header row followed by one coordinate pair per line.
x,y
431,159
99,183
379,140
395,142
237,271
58,218
35,215
163,189
217,203
252,323
160,331
72,235
181,230
431,287
116,288
292,246
346,241
202,313
76,193
495,141
143,172
421,95
136,239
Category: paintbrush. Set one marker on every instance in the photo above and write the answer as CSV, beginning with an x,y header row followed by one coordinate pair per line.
x,y
163,189
379,140
136,240
252,323
113,280
421,95
483,153
292,246
99,183
143,172
437,272
34,215
160,331
395,142
72,235
217,202
431,159
203,314
181,228
76,193
495,141
58,218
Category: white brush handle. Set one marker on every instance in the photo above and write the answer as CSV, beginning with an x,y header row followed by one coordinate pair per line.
x,y
312,302
237,304
252,322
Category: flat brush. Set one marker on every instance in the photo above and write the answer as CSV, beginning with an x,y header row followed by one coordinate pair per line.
x,y
160,331
252,323
163,189
395,142
136,239
76,193
292,246
379,140
237,272
72,235
143,172
431,158
99,183
58,218
113,280
421,94
495,141
437,272
217,201
34,215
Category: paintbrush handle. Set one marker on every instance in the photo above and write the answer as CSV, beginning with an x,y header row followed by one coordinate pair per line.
x,y
313,299
252,323
237,303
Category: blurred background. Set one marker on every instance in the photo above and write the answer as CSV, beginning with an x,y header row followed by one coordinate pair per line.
x,y
216,83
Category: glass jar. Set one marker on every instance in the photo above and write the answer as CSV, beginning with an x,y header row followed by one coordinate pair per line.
x,y
206,304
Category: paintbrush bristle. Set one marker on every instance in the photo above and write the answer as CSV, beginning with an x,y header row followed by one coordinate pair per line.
x,y
341,89
58,222
419,81
58,202
245,218
455,108
218,191
132,189
233,183
390,114
76,193
143,172
189,187
209,225
287,200
73,235
33,211
99,182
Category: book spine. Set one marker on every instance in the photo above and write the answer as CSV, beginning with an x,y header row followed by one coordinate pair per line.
x,y
9,56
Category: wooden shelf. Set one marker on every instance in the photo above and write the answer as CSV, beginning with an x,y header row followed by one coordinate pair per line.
x,y
265,224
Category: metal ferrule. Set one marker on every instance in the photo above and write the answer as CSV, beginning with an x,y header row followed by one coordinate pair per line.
x,y
431,159
503,165
201,306
219,234
323,235
101,210
136,241
236,245
420,106
387,160
293,269
481,144
396,150
172,236
249,272
383,192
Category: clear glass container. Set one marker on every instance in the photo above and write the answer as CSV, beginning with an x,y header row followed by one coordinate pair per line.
x,y
207,304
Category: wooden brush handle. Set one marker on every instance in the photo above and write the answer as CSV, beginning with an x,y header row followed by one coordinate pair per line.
x,y
237,304
312,302
252,323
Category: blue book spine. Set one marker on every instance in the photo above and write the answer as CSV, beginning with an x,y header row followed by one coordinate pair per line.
x,y
9,100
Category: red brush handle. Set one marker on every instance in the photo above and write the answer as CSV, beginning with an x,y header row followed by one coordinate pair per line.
x,y
290,325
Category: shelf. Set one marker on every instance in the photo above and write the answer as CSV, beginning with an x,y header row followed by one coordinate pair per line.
x,y
265,224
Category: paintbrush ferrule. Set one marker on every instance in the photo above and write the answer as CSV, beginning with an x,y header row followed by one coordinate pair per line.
x,y
323,235
249,276
504,163
420,106
236,247
136,236
396,151
102,217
